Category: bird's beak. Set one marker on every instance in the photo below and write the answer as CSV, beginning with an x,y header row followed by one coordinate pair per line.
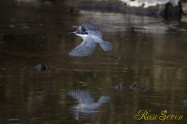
x,y
74,32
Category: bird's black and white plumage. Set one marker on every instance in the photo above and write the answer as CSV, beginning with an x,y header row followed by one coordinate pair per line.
x,y
91,36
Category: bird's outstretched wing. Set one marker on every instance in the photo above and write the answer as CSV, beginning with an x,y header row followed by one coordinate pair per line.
x,y
91,28
84,49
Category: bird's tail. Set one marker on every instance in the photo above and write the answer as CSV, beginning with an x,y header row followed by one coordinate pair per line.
x,y
106,46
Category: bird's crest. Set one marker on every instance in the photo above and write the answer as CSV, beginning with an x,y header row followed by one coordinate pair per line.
x,y
89,26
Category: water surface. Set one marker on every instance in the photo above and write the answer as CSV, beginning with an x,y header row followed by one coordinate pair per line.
x,y
148,53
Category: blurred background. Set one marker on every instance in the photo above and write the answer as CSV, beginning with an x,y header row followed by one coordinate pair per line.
x,y
147,68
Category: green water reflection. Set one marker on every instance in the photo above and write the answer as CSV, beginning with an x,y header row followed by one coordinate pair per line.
x,y
148,52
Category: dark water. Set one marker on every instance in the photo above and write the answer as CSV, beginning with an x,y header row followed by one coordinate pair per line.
x,y
148,61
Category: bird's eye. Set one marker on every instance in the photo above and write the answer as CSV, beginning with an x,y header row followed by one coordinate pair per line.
x,y
83,29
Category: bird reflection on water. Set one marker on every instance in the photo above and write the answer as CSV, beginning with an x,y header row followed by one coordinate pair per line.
x,y
87,106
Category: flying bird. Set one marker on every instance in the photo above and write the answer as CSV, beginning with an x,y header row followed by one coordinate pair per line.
x,y
91,36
